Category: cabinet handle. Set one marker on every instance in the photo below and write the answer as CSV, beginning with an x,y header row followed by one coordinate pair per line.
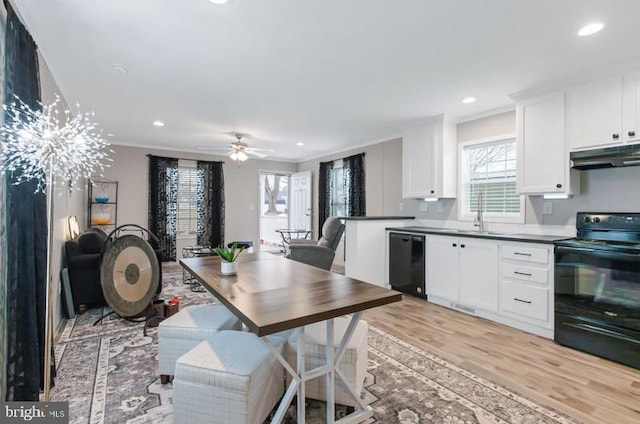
x,y
520,300
632,133
522,273
615,136
462,245
454,244
432,191
558,185
522,254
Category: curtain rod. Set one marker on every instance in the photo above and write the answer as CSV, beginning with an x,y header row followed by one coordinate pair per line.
x,y
195,160
346,157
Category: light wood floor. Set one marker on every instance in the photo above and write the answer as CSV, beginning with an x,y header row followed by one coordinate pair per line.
x,y
588,388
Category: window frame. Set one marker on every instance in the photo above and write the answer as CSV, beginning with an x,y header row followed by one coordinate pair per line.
x,y
191,165
463,180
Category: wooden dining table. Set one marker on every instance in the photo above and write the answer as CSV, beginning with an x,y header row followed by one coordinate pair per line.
x,y
270,294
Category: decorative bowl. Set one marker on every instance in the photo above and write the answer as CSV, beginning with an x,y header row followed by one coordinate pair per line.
x,y
101,218
102,199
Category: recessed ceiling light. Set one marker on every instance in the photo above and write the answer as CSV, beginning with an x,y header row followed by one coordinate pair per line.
x,y
119,68
299,143
158,123
468,100
590,29
219,1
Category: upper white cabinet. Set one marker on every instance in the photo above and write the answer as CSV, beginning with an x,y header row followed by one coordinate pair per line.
x,y
631,112
429,159
604,113
543,162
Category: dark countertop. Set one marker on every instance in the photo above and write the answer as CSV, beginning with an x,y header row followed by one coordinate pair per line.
x,y
374,218
527,238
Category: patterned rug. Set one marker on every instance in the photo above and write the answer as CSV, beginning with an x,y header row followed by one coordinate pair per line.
x,y
107,373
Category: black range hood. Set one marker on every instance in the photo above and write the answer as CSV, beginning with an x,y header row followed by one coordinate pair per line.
x,y
609,157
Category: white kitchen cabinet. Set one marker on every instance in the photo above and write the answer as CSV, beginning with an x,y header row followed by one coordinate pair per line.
x,y
429,159
604,113
543,160
631,111
594,114
463,270
526,284
442,267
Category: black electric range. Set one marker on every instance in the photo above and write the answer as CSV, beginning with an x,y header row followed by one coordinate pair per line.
x,y
597,287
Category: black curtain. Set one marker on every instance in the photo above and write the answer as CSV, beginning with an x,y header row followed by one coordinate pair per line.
x,y
163,203
26,227
354,176
324,192
210,204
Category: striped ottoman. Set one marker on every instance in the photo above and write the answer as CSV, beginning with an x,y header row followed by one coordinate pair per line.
x,y
182,331
231,378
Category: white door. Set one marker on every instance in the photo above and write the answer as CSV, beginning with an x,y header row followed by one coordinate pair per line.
x,y
594,114
300,201
478,272
442,267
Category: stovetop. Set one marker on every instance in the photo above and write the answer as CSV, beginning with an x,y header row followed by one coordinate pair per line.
x,y
617,232
616,246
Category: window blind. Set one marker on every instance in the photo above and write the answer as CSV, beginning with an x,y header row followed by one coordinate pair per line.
x,y
490,168
187,216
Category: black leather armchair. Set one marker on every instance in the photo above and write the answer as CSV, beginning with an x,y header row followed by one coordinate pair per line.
x,y
83,262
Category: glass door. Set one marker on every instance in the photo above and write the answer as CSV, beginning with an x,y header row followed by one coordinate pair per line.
x,y
274,209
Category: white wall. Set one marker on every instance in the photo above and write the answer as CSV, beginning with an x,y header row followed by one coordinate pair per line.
x,y
66,203
383,178
130,169
602,190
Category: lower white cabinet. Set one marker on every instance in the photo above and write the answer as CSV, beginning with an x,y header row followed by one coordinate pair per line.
x,y
525,300
526,289
463,270
507,282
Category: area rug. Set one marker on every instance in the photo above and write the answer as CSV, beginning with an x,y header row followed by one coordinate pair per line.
x,y
107,373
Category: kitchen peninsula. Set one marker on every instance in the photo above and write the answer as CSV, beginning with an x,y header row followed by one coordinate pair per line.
x,y
365,246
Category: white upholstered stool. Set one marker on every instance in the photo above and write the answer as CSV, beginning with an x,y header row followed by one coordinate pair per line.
x,y
353,365
182,331
231,378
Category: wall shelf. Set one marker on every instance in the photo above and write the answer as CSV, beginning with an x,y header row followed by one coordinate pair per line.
x,y
102,214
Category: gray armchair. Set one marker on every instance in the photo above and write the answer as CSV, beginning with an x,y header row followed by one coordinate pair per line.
x,y
319,253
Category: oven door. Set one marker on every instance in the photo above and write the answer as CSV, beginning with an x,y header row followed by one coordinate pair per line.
x,y
597,302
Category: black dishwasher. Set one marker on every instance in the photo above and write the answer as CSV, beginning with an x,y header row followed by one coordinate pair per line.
x,y
406,263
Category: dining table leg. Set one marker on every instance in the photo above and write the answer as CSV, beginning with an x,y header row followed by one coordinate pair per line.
x,y
329,370
330,377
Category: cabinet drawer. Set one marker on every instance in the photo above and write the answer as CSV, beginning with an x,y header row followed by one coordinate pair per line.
x,y
528,254
526,273
525,300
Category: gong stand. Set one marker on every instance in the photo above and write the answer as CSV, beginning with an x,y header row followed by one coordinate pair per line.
x,y
129,275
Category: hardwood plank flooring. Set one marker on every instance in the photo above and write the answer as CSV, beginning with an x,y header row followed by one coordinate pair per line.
x,y
586,387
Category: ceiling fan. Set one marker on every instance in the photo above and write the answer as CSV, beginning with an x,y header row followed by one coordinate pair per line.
x,y
241,151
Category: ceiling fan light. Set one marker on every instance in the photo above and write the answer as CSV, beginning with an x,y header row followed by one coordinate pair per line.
x,y
234,156
242,156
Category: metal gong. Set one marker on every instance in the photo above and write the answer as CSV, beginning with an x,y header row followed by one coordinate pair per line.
x,y
129,275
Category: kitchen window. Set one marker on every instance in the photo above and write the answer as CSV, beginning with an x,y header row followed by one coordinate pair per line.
x,y
489,167
187,207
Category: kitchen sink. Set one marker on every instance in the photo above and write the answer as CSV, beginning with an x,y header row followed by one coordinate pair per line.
x,y
486,233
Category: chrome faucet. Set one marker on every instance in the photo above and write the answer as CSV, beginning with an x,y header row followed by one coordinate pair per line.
x,y
479,221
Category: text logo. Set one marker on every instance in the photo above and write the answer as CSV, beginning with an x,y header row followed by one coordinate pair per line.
x,y
34,412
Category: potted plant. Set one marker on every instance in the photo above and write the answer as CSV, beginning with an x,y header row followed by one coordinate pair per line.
x,y
228,256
